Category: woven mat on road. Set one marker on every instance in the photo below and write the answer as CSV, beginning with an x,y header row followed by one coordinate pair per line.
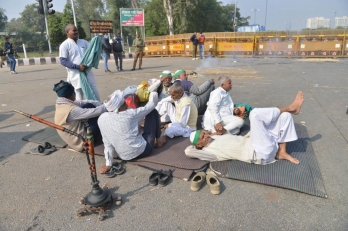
x,y
170,156
48,134
305,177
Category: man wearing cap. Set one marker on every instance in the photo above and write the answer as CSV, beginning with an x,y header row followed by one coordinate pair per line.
x,y
75,115
270,130
120,130
199,95
139,45
220,111
71,52
183,115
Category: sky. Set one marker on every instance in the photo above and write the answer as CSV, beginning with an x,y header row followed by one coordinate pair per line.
x,y
281,14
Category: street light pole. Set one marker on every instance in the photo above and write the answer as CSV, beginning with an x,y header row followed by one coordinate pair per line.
x,y
235,12
73,10
333,24
266,14
255,14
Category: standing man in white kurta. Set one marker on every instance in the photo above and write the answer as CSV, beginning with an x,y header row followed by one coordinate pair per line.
x,y
220,113
270,130
71,52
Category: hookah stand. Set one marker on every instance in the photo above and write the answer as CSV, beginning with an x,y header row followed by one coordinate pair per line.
x,y
98,200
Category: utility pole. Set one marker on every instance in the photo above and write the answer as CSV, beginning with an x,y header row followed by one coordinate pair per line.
x,y
73,11
255,14
266,14
333,24
44,2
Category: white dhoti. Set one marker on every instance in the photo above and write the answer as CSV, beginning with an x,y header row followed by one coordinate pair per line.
x,y
231,123
268,128
166,111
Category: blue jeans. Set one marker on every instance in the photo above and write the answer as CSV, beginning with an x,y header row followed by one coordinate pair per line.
x,y
12,62
201,50
106,57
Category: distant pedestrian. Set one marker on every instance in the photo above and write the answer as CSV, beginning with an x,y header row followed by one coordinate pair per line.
x,y
139,45
10,55
106,52
194,41
201,40
118,50
71,52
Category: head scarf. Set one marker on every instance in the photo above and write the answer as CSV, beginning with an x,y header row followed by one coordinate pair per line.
x,y
177,73
194,136
64,89
114,101
166,73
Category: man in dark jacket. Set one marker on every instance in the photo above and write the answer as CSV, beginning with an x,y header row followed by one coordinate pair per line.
x,y
10,54
118,50
194,41
106,52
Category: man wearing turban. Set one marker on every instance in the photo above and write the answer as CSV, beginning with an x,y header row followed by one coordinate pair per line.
x,y
120,129
74,114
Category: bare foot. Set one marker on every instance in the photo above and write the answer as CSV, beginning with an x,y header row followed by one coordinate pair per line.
x,y
286,156
160,142
295,107
104,169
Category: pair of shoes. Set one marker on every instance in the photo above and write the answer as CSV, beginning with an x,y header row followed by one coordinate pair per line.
x,y
43,150
140,68
212,181
133,69
116,169
160,177
118,69
121,69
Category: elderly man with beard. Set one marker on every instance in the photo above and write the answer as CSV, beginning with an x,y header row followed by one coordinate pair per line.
x,y
183,115
270,130
220,113
120,130
71,52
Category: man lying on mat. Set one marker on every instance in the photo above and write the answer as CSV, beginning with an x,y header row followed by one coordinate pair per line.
x,y
74,115
120,130
220,112
270,130
183,114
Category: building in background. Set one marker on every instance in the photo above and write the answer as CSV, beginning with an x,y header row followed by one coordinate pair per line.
x,y
317,23
341,22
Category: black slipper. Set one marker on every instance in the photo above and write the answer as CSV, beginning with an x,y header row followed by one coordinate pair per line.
x,y
111,173
119,168
39,150
50,147
153,179
164,177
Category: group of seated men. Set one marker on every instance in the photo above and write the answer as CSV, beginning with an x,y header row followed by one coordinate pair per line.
x,y
176,100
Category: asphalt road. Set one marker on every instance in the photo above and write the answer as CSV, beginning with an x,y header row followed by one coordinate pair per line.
x,y
42,192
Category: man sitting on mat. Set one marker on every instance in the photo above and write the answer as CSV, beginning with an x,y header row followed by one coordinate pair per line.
x,y
270,130
183,115
220,112
198,94
120,130
75,115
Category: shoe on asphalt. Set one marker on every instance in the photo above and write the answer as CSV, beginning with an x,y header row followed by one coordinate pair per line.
x,y
197,181
164,177
133,69
153,179
214,184
140,68
121,69
13,72
193,59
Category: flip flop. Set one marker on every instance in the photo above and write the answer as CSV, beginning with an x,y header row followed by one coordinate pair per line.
x,y
50,147
164,177
39,150
119,168
111,173
153,179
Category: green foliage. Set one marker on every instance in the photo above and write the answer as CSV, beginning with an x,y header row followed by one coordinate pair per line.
x,y
3,19
56,29
155,19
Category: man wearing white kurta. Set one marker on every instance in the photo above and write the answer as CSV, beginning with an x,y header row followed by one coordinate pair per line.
x,y
183,116
71,52
270,130
220,111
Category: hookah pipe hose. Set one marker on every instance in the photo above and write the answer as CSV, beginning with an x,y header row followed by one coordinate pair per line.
x,y
87,144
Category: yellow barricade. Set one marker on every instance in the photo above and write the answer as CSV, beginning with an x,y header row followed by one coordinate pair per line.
x,y
156,46
175,45
234,44
320,45
276,45
345,48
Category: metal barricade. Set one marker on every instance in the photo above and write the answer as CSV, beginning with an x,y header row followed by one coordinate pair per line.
x,y
156,46
230,44
175,45
345,48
